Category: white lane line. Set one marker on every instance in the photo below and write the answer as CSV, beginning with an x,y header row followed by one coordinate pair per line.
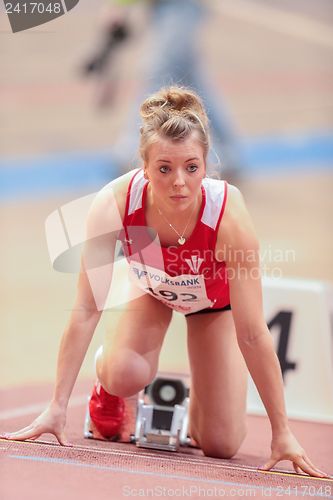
x,y
296,25
153,456
160,475
132,471
143,454
38,407
181,458
197,460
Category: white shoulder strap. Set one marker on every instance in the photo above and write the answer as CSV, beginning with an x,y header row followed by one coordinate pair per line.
x,y
137,185
215,194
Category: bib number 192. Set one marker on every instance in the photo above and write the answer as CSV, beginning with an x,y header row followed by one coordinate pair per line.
x,y
168,295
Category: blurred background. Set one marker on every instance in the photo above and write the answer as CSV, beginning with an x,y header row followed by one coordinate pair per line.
x,y
70,92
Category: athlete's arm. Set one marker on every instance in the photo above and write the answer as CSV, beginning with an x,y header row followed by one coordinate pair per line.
x,y
104,222
103,225
243,266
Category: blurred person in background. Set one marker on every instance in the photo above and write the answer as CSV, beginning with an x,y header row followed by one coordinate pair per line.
x,y
172,58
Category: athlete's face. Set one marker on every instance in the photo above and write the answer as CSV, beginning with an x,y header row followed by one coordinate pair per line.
x,y
175,170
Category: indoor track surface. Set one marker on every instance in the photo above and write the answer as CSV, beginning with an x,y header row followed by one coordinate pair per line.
x,y
92,468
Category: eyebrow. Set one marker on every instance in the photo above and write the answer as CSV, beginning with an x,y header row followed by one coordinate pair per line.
x,y
168,161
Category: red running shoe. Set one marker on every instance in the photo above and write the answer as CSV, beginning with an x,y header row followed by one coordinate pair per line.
x,y
107,412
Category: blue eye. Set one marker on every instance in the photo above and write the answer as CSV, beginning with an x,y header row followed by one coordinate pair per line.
x,y
164,169
192,168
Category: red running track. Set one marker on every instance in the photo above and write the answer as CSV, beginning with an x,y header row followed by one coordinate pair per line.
x,y
95,469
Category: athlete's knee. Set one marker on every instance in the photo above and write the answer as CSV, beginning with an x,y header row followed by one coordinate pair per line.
x,y
126,374
224,446
220,448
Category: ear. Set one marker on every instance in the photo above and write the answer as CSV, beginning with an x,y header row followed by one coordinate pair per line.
x,y
145,174
205,170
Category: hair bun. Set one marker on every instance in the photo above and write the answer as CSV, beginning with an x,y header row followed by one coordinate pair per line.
x,y
179,99
173,112
174,99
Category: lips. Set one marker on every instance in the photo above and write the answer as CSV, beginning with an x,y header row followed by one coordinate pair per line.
x,y
178,197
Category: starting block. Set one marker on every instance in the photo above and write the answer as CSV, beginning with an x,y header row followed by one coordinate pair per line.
x,y
162,415
159,417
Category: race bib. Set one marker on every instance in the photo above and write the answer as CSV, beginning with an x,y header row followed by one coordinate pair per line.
x,y
185,293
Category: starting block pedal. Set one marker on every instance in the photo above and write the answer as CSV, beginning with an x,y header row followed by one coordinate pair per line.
x,y
162,415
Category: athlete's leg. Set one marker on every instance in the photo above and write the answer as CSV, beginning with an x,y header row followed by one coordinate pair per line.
x,y
219,384
130,362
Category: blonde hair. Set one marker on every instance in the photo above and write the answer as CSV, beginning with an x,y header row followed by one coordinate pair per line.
x,y
174,113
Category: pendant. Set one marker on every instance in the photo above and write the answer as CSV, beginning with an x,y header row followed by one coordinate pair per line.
x,y
181,240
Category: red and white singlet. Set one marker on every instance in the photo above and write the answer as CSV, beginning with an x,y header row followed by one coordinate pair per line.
x,y
186,278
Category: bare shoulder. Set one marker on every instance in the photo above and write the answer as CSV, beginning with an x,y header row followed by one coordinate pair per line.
x,y
235,196
108,208
237,228
235,206
113,192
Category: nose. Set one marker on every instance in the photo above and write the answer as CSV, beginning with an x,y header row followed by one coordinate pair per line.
x,y
179,179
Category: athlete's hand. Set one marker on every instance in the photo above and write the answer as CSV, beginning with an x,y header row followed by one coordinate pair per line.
x,y
52,421
286,447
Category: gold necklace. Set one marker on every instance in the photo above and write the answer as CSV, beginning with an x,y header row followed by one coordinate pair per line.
x,y
181,239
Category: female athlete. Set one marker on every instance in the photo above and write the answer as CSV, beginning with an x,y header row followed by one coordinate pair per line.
x,y
187,239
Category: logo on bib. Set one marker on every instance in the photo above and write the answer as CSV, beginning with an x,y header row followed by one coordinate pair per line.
x,y
194,263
